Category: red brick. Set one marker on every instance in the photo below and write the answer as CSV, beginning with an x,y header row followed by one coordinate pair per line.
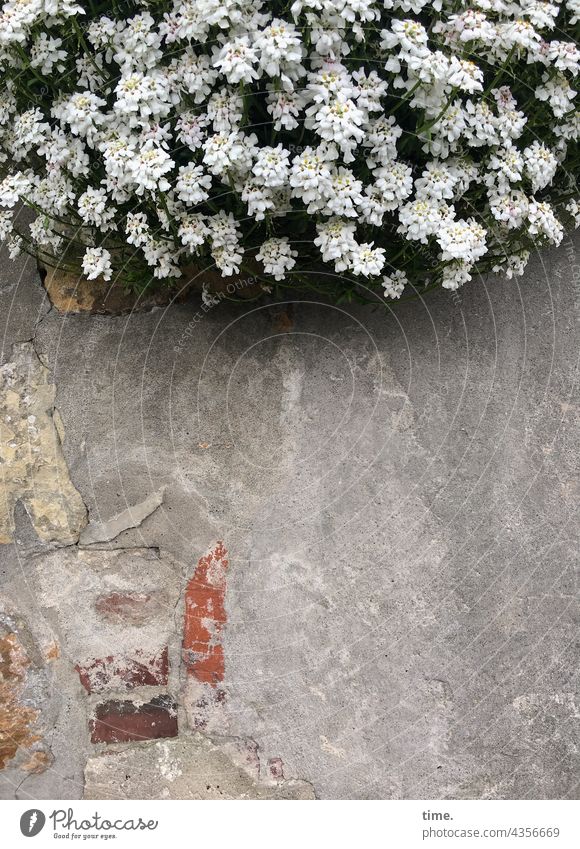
x,y
117,672
205,616
123,721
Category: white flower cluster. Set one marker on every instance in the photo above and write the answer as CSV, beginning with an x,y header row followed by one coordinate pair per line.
x,y
398,141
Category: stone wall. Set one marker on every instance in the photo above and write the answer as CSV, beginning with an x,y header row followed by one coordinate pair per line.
x,y
294,551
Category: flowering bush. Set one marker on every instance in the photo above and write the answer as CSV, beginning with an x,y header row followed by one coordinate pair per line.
x,y
354,146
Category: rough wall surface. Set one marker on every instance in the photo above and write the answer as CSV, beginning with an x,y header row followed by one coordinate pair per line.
x,y
348,568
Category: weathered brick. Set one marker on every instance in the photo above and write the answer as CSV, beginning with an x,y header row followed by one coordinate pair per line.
x,y
124,721
276,768
205,616
131,607
125,672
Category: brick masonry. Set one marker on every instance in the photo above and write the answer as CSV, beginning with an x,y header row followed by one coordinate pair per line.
x,y
124,721
202,650
126,641
125,671
205,616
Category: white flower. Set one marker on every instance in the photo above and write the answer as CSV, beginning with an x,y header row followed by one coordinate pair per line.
x,y
471,25
456,274
372,205
148,167
226,152
367,260
543,223
206,296
481,125
45,54
162,257
409,35
5,225
93,206
258,198
193,231
42,234
464,240
97,263
279,49
137,43
336,242
510,208
310,175
192,185
82,113
225,243
271,167
338,121
15,247
277,257
541,165
225,109
137,229
370,88
343,195
285,107
142,96
236,60
564,55
177,109
193,74
422,218
437,181
516,34
394,283
573,208
506,167
13,187
381,138
190,129
465,75
574,7
513,265
395,183
28,129
558,92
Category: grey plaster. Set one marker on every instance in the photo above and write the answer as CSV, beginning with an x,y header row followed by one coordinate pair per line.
x,y
398,495
23,301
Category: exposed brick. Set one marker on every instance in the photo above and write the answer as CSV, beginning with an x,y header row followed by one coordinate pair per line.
x,y
124,721
205,616
125,672
131,607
